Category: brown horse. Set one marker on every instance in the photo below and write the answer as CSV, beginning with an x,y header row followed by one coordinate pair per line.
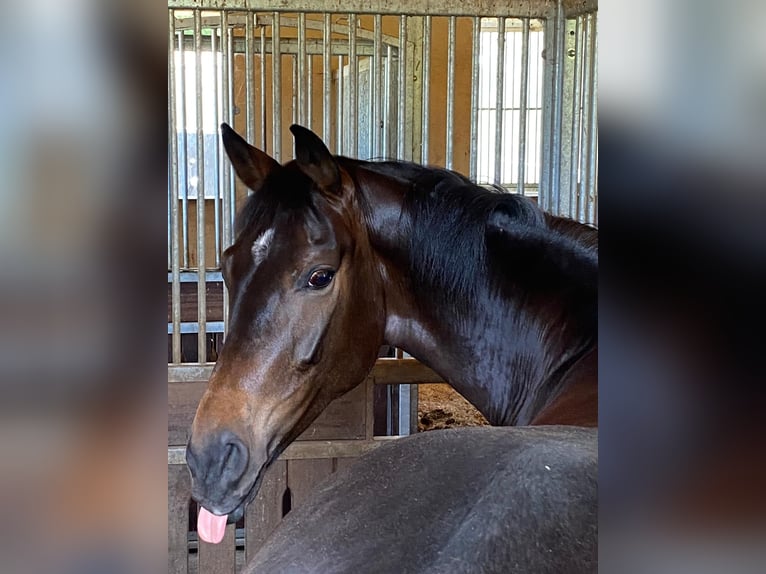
x,y
335,256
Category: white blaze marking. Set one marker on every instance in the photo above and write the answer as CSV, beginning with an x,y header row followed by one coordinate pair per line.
x,y
261,246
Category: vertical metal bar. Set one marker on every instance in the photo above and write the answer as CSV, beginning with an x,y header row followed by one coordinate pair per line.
x,y
327,78
301,85
387,103
217,187
230,119
353,78
310,92
201,277
184,131
377,90
581,186
339,149
369,102
557,104
426,87
175,255
475,78
499,94
590,180
249,77
540,105
401,87
524,89
264,117
223,161
276,86
544,163
449,135
510,94
293,83
404,409
576,152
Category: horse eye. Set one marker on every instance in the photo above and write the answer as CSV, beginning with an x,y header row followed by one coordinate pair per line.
x,y
321,278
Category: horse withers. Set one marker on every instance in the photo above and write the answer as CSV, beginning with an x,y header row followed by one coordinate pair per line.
x,y
334,257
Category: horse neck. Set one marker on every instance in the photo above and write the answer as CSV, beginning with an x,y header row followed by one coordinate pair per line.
x,y
540,377
511,354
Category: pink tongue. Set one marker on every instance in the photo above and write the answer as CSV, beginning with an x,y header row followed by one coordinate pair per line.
x,y
210,527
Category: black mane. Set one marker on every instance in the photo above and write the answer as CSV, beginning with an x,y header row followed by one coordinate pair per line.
x,y
463,234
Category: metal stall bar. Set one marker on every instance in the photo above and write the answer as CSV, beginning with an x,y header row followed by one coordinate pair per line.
x,y
327,78
293,90
217,196
224,165
530,8
576,152
509,95
426,86
387,103
310,91
175,254
276,86
339,142
353,77
249,78
523,94
537,150
301,84
475,54
592,148
264,117
201,278
377,98
182,124
559,41
400,86
581,184
230,119
449,135
499,94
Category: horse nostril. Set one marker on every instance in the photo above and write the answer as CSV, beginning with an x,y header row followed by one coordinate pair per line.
x,y
234,458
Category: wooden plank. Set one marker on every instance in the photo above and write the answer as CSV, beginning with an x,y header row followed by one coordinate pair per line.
x,y
344,418
219,558
179,487
305,449
182,404
265,512
303,476
384,372
213,301
403,371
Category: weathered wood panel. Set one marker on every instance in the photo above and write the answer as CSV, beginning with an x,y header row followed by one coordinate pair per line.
x,y
213,298
178,518
384,372
344,418
219,558
265,512
304,475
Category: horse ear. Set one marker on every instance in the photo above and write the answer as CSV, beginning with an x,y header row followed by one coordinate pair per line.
x,y
315,160
251,164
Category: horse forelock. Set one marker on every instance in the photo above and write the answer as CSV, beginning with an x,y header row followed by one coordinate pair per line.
x,y
286,190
